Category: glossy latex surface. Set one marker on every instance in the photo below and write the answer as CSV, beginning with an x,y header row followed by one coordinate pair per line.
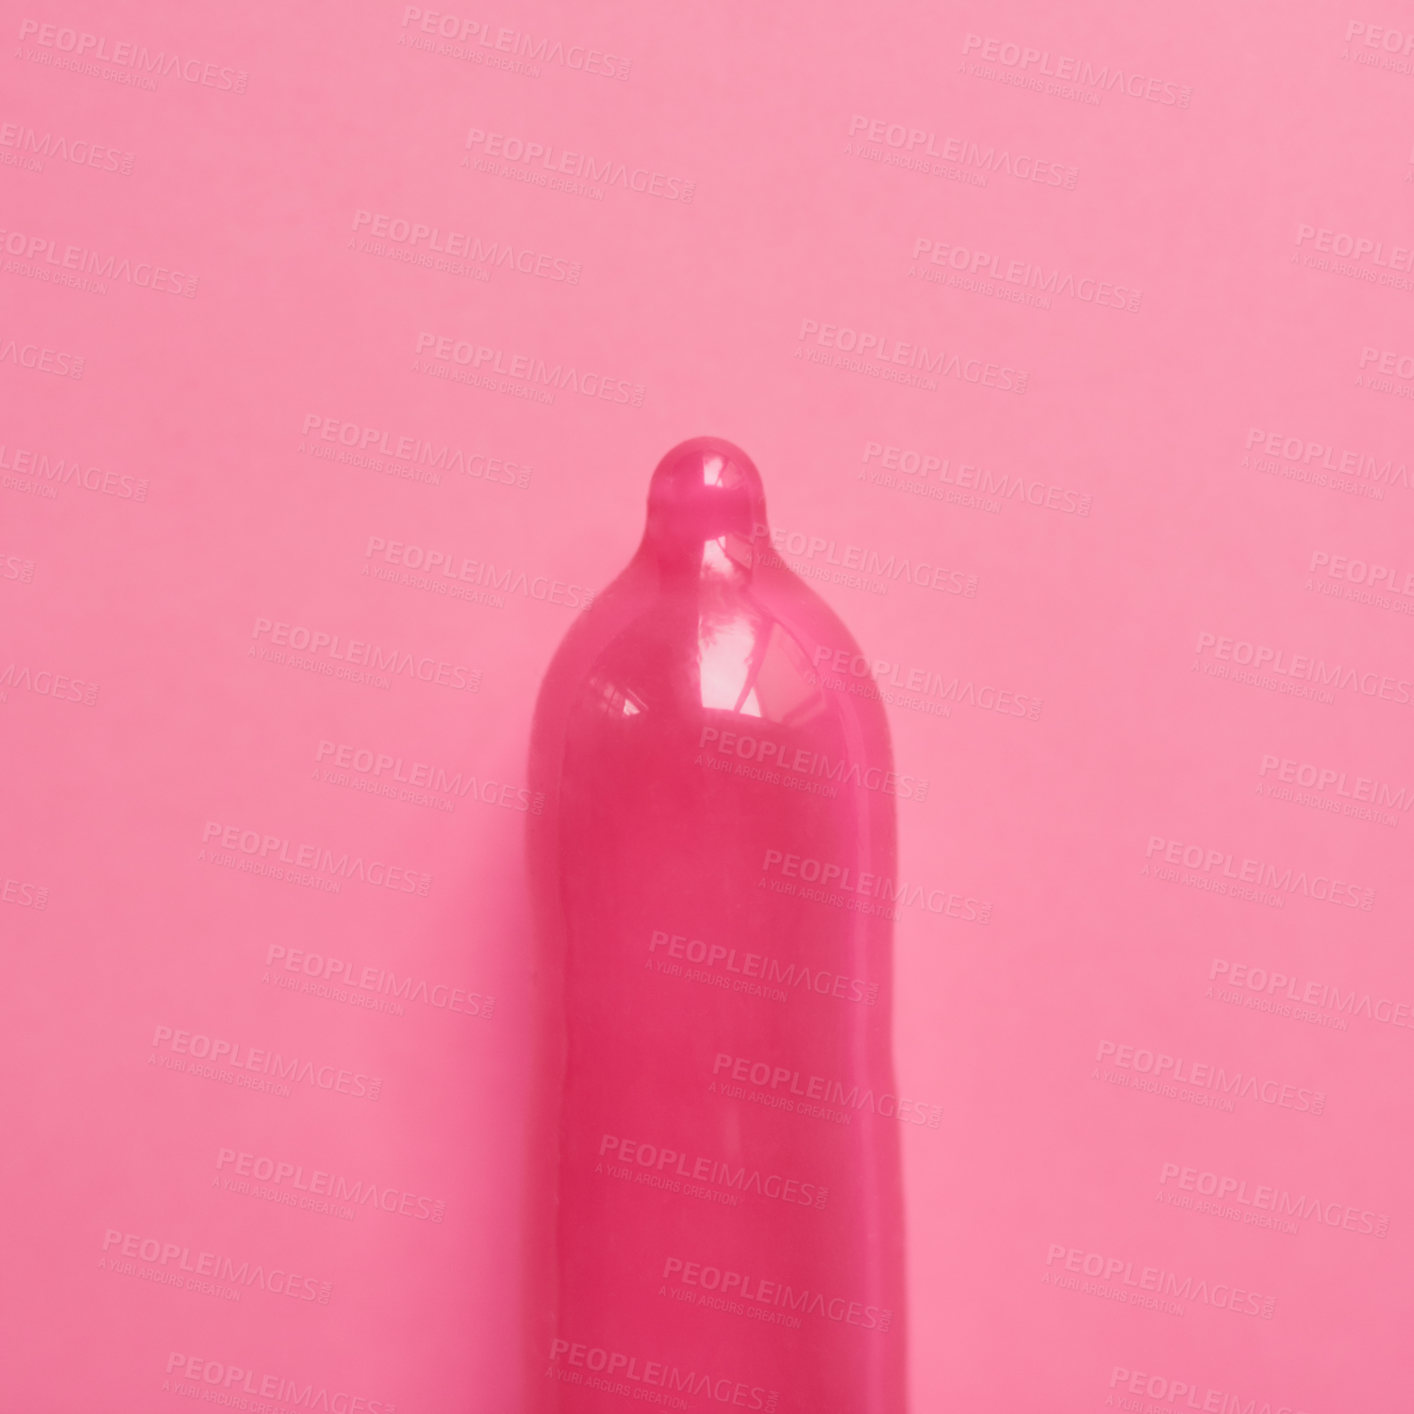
x,y
711,878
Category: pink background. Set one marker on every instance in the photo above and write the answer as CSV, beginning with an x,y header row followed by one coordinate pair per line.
x,y
1159,505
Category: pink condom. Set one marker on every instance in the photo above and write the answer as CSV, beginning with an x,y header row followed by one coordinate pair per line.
x,y
723,1217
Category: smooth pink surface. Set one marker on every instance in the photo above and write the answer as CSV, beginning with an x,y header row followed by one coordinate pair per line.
x,y
714,878
1086,410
